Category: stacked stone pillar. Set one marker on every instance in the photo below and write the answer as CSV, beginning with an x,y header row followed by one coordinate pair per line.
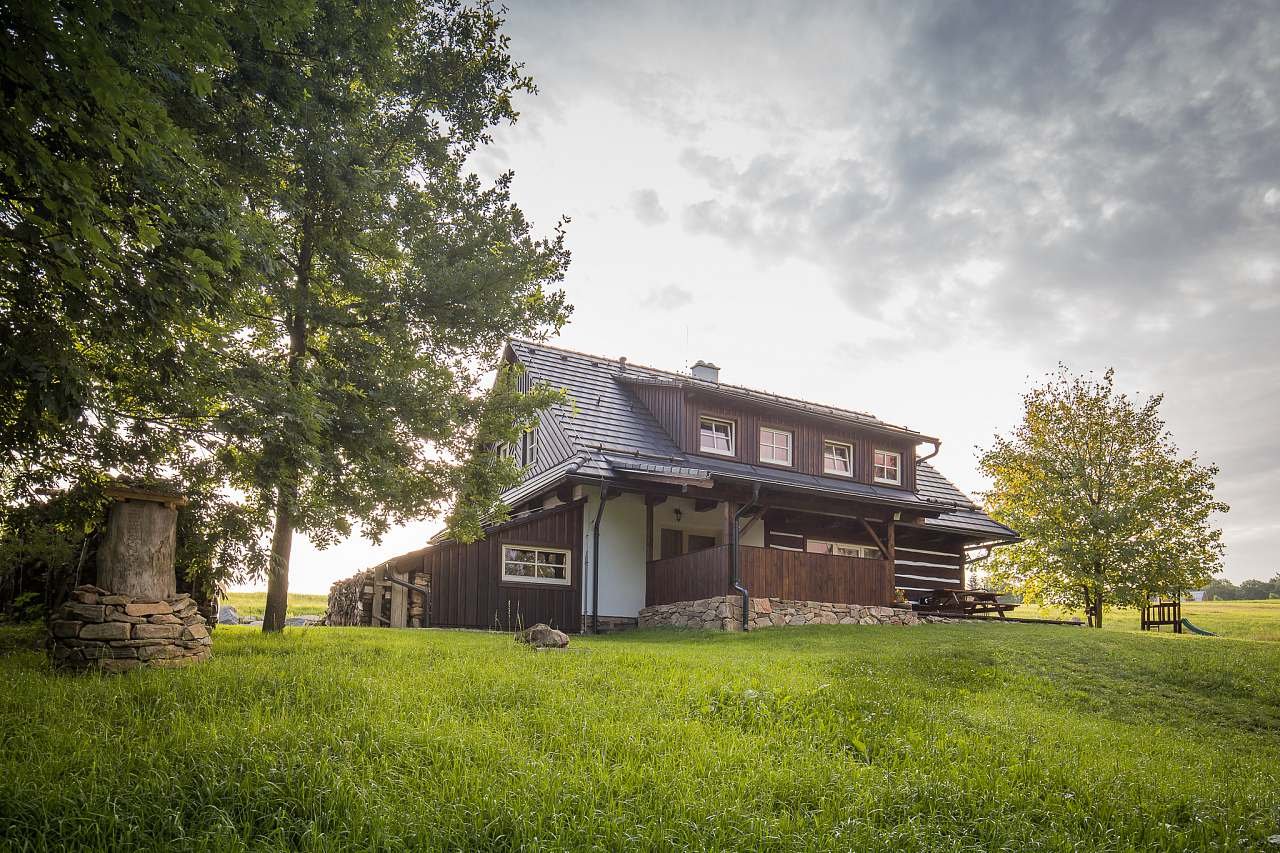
x,y
98,629
133,616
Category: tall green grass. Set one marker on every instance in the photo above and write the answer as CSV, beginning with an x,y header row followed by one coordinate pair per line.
x,y
946,737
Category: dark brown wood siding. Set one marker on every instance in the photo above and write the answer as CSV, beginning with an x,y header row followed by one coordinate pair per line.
x,y
928,561
553,444
666,404
809,436
925,560
770,573
467,590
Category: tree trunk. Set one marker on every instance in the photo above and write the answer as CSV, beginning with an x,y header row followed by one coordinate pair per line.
x,y
286,495
278,573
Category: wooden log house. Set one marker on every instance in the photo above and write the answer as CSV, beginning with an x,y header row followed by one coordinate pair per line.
x,y
709,489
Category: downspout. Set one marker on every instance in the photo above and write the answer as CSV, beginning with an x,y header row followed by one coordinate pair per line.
x,y
595,561
734,580
937,446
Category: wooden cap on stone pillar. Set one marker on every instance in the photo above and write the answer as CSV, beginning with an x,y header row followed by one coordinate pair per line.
x,y
137,556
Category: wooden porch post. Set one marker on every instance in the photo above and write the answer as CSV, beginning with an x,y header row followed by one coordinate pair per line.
x,y
892,565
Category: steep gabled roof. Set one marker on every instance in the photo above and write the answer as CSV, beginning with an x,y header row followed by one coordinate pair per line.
x,y
613,434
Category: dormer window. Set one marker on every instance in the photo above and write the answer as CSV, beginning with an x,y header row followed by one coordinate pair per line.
x,y
531,447
775,446
888,467
837,458
715,436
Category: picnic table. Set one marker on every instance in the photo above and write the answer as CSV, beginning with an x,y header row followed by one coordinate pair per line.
x,y
966,601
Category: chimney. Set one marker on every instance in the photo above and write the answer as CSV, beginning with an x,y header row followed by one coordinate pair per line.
x,y
706,371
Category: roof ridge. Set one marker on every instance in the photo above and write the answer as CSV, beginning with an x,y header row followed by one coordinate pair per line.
x,y
683,377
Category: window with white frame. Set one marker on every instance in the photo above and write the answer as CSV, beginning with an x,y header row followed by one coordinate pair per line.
x,y
715,436
837,458
888,467
531,446
535,565
509,451
775,446
842,549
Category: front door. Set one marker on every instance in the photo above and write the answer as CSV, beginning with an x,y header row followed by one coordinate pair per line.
x,y
672,543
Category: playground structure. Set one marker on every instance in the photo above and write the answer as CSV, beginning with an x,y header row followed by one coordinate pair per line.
x,y
1160,613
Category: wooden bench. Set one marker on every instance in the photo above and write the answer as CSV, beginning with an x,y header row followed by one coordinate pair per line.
x,y
969,602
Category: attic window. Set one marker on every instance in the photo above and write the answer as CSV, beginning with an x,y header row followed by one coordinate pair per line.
x,y
837,458
775,446
888,467
715,436
531,447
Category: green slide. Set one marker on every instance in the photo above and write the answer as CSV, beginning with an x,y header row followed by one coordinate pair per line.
x,y
1193,629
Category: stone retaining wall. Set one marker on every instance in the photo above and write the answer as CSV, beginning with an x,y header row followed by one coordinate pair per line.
x,y
724,613
95,629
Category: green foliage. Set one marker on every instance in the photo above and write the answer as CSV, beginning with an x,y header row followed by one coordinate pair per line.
x,y
396,276
117,243
1110,512
242,250
49,544
945,737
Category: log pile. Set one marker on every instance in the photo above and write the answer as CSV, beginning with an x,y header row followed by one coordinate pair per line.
x,y
347,600
380,597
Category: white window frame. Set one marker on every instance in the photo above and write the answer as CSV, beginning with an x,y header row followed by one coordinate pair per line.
x,y
733,437
877,467
531,441
507,450
865,552
537,550
791,446
828,443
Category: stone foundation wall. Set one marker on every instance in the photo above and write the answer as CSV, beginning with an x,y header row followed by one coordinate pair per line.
x,y
724,613
95,629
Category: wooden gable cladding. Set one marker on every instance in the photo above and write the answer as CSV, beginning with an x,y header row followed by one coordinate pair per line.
x,y
467,589
553,444
809,437
666,404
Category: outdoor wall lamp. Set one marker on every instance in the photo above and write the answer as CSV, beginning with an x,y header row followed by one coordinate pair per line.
x,y
677,515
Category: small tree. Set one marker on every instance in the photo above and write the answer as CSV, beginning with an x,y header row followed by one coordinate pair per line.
x,y
1109,511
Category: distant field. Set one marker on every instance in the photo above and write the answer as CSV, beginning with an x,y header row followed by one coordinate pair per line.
x,y
252,604
1241,620
963,737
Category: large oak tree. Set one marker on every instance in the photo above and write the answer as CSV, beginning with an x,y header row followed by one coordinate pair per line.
x,y
1110,511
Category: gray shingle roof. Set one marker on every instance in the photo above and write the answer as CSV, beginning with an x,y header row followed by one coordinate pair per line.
x,y
612,432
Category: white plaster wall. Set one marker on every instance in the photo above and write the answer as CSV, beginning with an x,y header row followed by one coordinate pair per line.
x,y
622,551
622,568
709,523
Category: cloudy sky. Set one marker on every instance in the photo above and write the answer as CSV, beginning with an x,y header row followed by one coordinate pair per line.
x,y
917,209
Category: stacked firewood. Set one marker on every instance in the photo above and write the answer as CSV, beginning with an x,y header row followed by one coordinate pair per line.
x,y
349,600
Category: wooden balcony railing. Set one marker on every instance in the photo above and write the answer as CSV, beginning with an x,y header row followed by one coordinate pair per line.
x,y
771,573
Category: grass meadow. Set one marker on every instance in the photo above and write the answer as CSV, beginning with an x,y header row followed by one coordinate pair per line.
x,y
250,605
972,737
1241,620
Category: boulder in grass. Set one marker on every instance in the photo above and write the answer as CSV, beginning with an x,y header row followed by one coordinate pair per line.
x,y
227,615
543,636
